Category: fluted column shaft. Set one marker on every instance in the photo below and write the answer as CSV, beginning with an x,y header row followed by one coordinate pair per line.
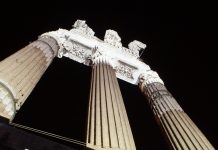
x,y
108,125
180,130
20,72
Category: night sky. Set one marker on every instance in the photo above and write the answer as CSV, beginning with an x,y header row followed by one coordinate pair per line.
x,y
181,44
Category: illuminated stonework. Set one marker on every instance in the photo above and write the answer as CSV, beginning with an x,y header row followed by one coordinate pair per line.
x,y
7,103
79,44
179,130
108,126
20,72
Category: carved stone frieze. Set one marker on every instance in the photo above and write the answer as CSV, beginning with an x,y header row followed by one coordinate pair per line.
x,y
130,52
125,70
76,51
80,44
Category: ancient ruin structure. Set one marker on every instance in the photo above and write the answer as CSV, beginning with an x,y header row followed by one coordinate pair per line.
x,y
108,127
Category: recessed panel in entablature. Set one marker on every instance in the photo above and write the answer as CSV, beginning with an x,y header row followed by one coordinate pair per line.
x,y
125,71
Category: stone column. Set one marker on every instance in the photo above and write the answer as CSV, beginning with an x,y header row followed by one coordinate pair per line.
x,y
108,126
180,131
20,72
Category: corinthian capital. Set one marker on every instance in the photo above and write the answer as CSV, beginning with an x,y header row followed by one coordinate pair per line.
x,y
99,56
148,77
80,45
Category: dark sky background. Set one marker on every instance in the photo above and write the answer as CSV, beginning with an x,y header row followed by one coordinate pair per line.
x,y
182,47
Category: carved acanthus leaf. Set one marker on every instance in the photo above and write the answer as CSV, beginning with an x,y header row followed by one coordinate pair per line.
x,y
150,77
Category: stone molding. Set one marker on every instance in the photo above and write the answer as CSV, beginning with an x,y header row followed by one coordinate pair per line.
x,y
79,44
